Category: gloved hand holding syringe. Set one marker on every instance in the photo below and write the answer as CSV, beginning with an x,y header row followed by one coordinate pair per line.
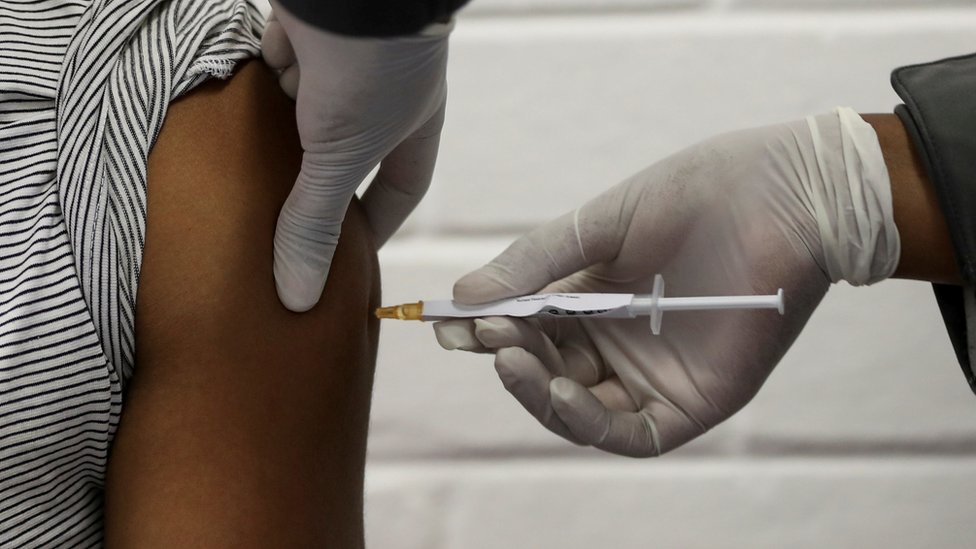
x,y
585,305
793,206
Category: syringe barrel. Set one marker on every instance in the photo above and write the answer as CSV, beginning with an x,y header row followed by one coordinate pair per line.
x,y
723,302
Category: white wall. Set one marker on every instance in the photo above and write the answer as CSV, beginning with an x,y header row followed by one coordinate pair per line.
x,y
864,436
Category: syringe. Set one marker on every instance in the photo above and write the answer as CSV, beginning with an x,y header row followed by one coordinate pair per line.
x,y
582,306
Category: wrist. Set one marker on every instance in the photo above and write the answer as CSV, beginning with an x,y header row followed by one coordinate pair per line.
x,y
926,248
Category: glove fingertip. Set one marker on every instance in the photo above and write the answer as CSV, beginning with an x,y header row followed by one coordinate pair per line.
x,y
298,292
296,302
276,48
506,374
586,417
562,390
289,80
456,335
512,359
494,332
522,375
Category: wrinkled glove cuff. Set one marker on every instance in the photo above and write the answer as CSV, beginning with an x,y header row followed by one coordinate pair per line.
x,y
852,199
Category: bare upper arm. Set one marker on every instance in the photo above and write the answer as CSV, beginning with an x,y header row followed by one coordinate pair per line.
x,y
245,422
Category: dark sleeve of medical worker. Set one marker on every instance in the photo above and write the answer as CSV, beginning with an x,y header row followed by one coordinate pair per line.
x,y
372,17
940,114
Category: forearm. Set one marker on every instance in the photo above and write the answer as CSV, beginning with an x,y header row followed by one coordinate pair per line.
x,y
926,248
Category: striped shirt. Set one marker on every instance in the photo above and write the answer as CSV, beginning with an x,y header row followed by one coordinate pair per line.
x,y
84,88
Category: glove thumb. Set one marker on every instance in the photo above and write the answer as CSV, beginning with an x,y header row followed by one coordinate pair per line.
x,y
551,252
545,254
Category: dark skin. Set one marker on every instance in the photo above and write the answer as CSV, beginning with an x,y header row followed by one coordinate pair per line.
x,y
926,248
245,423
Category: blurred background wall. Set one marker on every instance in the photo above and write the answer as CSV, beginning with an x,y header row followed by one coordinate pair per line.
x,y
864,435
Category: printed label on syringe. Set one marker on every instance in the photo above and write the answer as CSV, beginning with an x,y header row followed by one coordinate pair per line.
x,y
544,304
556,311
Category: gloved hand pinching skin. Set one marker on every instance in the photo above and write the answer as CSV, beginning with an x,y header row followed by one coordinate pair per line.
x,y
360,102
792,206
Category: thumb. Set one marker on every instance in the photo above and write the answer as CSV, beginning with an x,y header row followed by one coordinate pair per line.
x,y
545,254
586,236
308,232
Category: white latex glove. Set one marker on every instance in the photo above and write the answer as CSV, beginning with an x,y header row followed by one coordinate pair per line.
x,y
360,102
792,206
